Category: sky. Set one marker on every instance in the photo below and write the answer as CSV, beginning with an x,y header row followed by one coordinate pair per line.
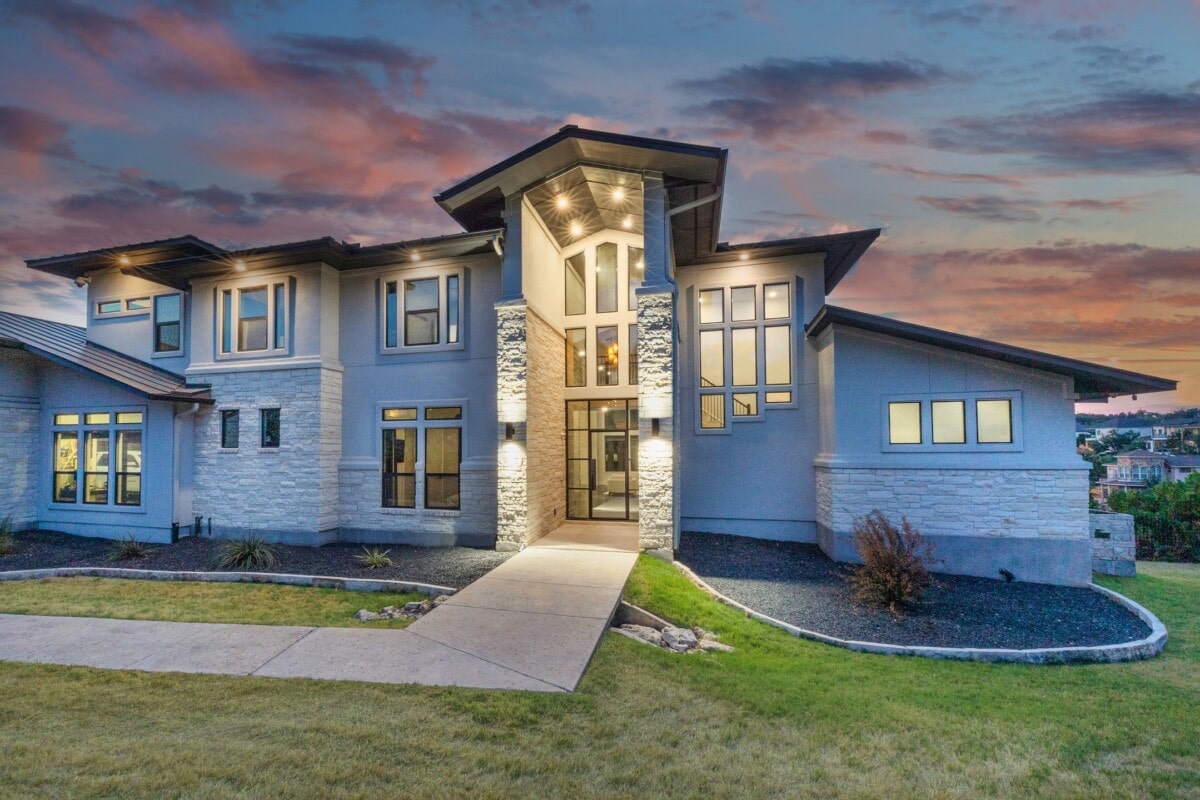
x,y
1035,166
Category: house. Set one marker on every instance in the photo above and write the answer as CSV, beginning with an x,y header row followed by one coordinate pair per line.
x,y
1134,470
588,349
1174,432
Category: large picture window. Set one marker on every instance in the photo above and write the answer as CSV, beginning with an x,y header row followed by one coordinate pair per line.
x,y
253,319
422,311
97,458
433,432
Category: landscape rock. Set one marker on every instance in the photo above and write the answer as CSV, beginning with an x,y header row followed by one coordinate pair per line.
x,y
365,616
441,598
711,645
679,639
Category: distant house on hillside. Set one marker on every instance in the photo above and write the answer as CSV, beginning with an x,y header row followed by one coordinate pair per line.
x,y
1177,427
1136,469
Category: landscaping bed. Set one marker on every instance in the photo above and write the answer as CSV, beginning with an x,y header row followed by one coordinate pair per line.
x,y
798,584
442,566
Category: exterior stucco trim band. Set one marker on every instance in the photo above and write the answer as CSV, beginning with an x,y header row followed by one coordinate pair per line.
x,y
1137,650
315,581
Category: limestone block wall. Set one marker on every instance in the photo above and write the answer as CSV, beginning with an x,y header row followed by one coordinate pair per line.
x,y
1114,546
545,429
20,444
512,499
1034,523
658,472
289,493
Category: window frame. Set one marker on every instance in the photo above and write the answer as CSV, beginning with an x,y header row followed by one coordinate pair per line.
x,y
111,431
155,325
263,442
223,415
442,274
420,423
971,431
229,320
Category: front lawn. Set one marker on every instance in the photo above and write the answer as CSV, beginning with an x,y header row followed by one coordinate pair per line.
x,y
781,717
179,601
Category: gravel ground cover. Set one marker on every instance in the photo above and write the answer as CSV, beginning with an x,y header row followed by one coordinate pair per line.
x,y
798,584
441,566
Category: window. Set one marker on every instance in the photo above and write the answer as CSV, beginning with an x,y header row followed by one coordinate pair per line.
x,y
608,357
633,355
422,311
576,349
576,285
138,304
167,327
756,353
108,307
439,431
606,278
269,422
993,421
949,421
229,429
253,319
904,423
98,478
636,270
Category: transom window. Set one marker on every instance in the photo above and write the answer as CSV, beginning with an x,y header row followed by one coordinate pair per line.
x,y
744,351
939,423
410,432
97,458
253,319
421,311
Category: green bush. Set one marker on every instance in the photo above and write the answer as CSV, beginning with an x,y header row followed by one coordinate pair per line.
x,y
375,558
128,548
249,553
6,539
894,571
1166,519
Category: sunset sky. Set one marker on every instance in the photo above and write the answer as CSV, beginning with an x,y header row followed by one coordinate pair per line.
x,y
1035,166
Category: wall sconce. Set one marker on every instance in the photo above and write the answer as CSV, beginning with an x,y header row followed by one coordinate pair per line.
x,y
510,431
655,428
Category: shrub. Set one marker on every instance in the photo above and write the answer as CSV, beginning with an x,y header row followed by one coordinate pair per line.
x,y
894,571
249,553
375,558
127,548
6,540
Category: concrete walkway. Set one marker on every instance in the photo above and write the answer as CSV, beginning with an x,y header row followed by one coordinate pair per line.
x,y
532,623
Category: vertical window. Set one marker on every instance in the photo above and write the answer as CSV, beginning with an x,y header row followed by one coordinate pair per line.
x,y
95,467
129,466
66,464
400,468
745,356
390,312
443,455
949,421
421,312
633,355
777,301
452,309
904,423
712,358
252,319
712,411
712,306
608,357
606,278
576,348
636,269
993,421
280,316
167,328
576,285
742,304
229,429
226,321
269,422
777,352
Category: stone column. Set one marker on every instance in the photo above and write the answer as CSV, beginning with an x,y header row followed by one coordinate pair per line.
x,y
512,462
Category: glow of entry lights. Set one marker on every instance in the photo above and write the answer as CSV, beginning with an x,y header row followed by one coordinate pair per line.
x,y
744,256
576,229
240,266
561,201
415,257
123,260
618,194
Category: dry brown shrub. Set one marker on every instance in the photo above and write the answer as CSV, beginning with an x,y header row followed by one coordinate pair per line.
x,y
895,562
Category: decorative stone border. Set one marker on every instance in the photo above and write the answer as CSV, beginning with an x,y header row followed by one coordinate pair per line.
x,y
1148,647
315,581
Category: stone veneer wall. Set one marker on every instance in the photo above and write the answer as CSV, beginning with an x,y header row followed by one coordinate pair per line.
x,y
545,429
1032,522
20,444
1114,546
289,493
512,503
658,506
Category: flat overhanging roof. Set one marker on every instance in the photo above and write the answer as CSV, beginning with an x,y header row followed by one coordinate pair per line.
x,y
842,251
1092,381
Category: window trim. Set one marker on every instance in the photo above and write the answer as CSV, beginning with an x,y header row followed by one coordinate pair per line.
x,y
418,273
111,431
267,282
972,444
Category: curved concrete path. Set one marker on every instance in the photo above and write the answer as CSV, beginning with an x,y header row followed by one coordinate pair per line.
x,y
532,623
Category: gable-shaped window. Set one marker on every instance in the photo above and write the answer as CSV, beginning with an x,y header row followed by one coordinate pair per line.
x,y
253,319
422,311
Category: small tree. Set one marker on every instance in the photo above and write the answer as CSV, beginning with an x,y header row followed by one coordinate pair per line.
x,y
894,571
1166,519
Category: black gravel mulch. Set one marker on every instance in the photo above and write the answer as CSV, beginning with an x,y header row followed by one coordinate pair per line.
x,y
441,566
798,584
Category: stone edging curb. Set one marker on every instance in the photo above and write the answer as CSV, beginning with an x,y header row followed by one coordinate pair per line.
x,y
1137,650
315,581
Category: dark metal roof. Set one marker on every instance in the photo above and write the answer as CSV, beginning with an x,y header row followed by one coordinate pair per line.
x,y
68,345
1092,381
842,251
74,265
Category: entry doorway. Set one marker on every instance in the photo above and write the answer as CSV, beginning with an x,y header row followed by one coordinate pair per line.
x,y
602,459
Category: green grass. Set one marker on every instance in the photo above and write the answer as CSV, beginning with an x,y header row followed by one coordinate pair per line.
x,y
781,717
252,603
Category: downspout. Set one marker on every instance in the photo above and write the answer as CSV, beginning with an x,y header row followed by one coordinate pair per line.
x,y
182,415
685,207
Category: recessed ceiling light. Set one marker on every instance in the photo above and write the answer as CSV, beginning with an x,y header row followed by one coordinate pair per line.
x,y
239,265
618,194
576,229
641,264
627,222
123,260
415,256
561,201
744,256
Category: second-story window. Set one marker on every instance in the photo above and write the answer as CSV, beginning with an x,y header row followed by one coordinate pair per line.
x,y
253,319
422,311
167,326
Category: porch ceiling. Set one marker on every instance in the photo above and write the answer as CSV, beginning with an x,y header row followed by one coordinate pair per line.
x,y
585,199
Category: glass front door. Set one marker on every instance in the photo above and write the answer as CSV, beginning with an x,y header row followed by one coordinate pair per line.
x,y
602,454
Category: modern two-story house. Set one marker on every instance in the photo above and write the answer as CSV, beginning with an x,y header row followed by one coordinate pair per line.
x,y
586,350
